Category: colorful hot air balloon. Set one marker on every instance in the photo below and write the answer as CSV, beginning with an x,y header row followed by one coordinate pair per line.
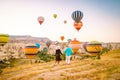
x,y
94,47
55,15
69,40
65,21
30,51
77,16
75,45
4,38
40,19
37,45
62,38
78,25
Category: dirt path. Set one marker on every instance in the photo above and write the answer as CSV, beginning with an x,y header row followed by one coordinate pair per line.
x,y
57,71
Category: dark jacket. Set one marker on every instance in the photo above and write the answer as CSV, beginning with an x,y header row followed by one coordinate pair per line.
x,y
57,54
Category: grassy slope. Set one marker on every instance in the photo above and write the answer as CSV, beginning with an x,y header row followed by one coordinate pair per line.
x,y
108,68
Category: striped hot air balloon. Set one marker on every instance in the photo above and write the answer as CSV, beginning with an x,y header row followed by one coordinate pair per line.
x,y
30,51
77,16
75,45
4,38
94,47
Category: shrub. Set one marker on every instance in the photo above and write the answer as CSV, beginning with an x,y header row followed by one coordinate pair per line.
x,y
105,50
45,57
3,65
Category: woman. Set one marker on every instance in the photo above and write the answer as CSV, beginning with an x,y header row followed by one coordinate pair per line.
x,y
57,55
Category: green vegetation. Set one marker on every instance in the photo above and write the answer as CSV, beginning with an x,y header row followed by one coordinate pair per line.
x,y
2,65
45,57
6,63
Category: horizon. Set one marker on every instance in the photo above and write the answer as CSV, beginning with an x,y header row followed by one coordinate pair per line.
x,y
54,41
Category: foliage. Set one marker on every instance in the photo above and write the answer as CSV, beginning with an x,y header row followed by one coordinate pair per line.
x,y
104,50
45,57
3,65
45,50
6,62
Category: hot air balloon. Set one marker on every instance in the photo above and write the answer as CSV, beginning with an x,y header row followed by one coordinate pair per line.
x,y
69,40
55,16
30,51
40,19
77,16
37,45
78,25
75,45
4,38
94,47
65,21
62,38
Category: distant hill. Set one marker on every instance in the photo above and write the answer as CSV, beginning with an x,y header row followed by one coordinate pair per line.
x,y
27,38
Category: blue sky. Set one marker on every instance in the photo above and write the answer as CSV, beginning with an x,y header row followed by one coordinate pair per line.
x,y
101,20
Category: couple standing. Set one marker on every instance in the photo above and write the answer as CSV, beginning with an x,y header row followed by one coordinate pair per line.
x,y
67,51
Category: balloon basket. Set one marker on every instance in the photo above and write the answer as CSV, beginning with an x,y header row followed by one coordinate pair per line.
x,y
30,56
93,54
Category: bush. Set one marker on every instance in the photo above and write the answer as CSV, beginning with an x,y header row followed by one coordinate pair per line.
x,y
105,50
45,57
3,65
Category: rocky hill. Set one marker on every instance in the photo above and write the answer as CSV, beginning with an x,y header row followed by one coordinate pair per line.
x,y
27,39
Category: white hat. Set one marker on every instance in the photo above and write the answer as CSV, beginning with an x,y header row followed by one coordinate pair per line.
x,y
58,47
